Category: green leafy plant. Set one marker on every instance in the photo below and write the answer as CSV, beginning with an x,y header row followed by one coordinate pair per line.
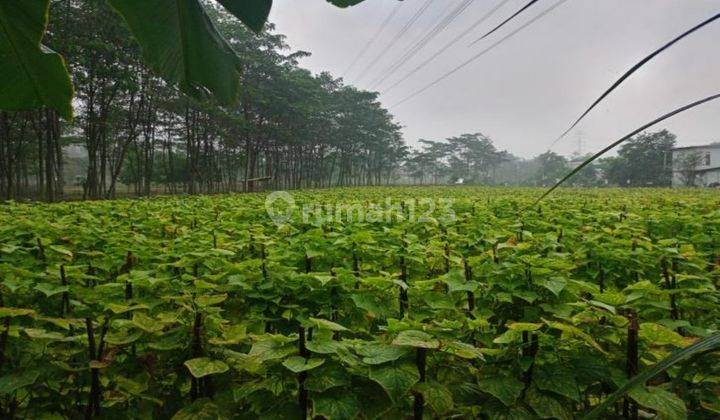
x,y
163,308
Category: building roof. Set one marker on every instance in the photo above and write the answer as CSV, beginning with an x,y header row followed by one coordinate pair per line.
x,y
707,146
714,168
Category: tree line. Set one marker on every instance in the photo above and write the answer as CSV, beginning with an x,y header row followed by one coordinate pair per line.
x,y
643,161
290,129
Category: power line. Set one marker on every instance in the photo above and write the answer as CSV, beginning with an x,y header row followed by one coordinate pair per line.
x,y
627,137
504,22
414,42
375,37
481,53
419,45
396,38
449,44
634,68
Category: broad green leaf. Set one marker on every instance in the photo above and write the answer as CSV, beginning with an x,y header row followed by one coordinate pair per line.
x,y
121,309
41,334
324,346
657,335
437,396
546,406
203,366
50,289
202,409
524,326
554,285
414,338
396,379
146,323
573,331
456,283
326,377
665,403
122,337
505,388
334,405
253,13
464,350
439,301
204,285
14,284
297,364
231,335
14,312
324,324
180,43
135,387
509,336
377,353
314,253
33,76
61,250
558,379
269,349
14,381
374,305
210,300
64,323
604,306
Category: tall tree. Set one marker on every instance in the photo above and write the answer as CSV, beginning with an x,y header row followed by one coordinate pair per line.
x,y
644,161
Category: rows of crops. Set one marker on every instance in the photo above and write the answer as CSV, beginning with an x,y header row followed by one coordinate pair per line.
x,y
486,307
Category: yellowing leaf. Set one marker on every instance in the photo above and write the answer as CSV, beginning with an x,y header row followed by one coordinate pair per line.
x,y
524,326
14,312
324,324
658,335
414,338
203,366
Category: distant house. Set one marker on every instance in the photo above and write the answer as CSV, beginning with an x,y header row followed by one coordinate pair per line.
x,y
696,166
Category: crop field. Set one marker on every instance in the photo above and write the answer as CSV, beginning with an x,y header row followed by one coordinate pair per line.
x,y
366,303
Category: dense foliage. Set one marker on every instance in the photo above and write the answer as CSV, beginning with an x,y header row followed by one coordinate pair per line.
x,y
487,307
290,128
644,160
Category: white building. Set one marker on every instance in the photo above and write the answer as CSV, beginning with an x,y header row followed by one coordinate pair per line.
x,y
697,166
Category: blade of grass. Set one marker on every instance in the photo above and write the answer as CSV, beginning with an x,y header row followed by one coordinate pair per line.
x,y
707,344
504,22
615,144
635,68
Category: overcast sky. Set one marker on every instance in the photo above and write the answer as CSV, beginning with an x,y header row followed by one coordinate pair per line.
x,y
528,90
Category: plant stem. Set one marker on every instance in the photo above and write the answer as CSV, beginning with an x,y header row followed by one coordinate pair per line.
x,y
404,301
630,408
302,376
93,407
421,362
470,295
65,305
